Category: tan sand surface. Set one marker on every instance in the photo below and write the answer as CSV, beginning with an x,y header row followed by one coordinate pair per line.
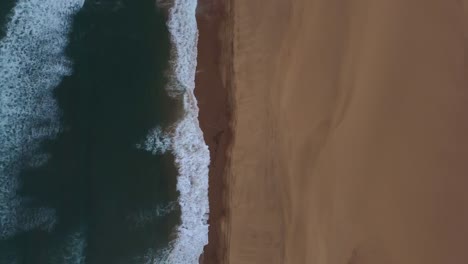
x,y
350,140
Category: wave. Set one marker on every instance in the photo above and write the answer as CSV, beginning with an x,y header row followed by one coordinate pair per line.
x,y
191,153
32,64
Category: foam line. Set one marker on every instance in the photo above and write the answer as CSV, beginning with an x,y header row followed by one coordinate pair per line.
x,y
187,142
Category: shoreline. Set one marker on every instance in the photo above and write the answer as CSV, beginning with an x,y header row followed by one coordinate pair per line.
x,y
187,142
213,90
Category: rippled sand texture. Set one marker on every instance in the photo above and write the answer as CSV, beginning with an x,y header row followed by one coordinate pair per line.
x,y
351,132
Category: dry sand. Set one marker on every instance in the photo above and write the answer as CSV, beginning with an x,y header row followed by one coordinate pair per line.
x,y
350,134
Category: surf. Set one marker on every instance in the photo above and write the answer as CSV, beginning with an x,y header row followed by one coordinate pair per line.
x,y
191,153
32,64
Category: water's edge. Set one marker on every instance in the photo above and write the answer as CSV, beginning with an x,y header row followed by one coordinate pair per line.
x,y
187,142
41,119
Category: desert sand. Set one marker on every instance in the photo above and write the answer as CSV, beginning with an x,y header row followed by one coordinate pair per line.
x,y
349,133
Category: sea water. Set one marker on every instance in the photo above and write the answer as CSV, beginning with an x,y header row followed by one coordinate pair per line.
x,y
101,156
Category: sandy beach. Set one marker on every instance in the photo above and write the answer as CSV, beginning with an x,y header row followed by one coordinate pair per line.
x,y
349,124
213,91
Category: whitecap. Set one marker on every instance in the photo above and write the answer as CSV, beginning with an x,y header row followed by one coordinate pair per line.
x,y
191,153
157,142
32,64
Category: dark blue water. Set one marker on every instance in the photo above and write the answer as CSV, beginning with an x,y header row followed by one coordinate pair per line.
x,y
103,189
5,8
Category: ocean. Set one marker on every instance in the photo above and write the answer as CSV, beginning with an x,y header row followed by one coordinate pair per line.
x,y
102,159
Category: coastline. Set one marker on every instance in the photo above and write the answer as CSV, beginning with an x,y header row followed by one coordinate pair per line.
x,y
186,140
213,92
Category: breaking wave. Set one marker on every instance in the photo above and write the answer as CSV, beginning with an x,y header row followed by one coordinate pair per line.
x,y
185,141
32,64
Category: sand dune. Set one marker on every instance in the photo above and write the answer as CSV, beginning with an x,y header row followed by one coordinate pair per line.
x,y
350,132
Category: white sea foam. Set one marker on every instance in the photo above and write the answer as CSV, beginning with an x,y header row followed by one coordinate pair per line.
x,y
187,142
157,142
32,64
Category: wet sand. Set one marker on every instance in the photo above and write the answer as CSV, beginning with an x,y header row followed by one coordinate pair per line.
x,y
350,134
213,86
